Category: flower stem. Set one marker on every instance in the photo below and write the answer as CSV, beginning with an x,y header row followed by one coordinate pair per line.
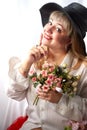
x,y
36,100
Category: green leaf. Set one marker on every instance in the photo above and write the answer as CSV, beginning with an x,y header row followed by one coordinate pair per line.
x,y
67,128
35,84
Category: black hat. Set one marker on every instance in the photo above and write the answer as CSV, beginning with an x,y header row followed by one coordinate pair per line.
x,y
76,12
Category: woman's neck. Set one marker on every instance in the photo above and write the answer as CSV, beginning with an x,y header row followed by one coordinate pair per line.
x,y
56,57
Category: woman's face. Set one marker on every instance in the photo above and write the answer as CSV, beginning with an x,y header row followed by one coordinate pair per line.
x,y
55,35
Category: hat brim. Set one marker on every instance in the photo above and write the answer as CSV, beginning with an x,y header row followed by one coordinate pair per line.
x,y
75,12
47,9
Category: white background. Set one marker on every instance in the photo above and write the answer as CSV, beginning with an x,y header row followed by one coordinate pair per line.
x,y
20,28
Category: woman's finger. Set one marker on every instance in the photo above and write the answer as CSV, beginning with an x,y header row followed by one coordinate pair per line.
x,y
41,36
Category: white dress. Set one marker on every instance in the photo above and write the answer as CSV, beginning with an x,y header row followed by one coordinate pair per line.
x,y
50,116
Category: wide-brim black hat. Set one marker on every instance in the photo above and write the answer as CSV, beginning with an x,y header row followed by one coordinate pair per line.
x,y
76,12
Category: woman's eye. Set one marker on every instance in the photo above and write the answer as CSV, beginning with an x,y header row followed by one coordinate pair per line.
x,y
59,29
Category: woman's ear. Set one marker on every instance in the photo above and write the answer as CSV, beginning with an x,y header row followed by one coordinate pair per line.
x,y
69,41
68,45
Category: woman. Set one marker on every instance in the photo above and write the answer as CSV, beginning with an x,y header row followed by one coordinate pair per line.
x,y
61,43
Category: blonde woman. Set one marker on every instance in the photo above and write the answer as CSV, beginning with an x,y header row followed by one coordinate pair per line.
x,y
62,42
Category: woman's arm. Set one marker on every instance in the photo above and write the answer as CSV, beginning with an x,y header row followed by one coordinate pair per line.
x,y
18,72
18,84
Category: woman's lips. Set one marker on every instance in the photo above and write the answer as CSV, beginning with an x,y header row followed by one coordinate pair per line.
x,y
48,37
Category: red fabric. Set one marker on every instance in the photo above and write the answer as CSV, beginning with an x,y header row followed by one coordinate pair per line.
x,y
17,123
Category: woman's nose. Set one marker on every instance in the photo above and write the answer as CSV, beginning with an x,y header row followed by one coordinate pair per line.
x,y
49,29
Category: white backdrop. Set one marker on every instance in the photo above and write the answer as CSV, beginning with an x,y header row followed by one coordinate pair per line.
x,y
20,28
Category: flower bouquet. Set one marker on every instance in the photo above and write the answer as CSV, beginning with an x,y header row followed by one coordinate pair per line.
x,y
74,125
54,77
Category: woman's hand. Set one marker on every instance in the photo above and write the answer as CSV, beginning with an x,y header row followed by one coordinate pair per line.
x,y
34,55
37,52
51,96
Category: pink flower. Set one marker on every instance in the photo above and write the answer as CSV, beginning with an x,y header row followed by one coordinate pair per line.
x,y
51,76
49,82
75,126
51,69
44,73
59,85
45,66
34,79
58,82
45,88
31,72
